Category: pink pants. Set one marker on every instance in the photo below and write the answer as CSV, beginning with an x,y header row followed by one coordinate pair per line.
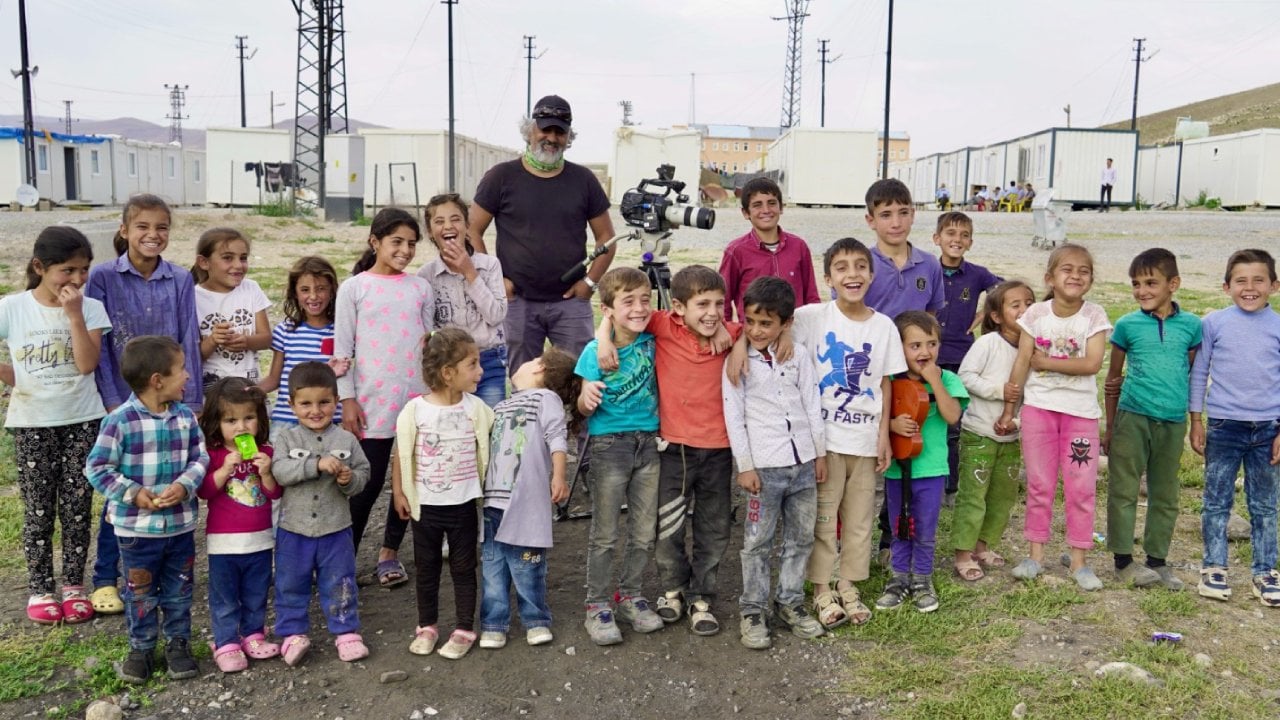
x,y
1053,443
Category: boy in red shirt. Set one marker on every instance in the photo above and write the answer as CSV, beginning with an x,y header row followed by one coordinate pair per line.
x,y
767,250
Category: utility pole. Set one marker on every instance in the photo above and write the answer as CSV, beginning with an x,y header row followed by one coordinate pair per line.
x,y
530,57
452,166
693,96
797,11
888,77
240,46
822,51
28,122
67,119
1137,67
273,105
1067,110
626,112
177,98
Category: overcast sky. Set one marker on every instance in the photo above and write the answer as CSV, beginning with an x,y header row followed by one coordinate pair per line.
x,y
964,73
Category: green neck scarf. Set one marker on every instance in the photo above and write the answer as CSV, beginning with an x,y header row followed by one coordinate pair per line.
x,y
539,165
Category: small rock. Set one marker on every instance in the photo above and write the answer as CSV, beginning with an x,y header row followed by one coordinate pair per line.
x,y
911,696
1019,710
1202,660
103,710
415,715
1238,528
431,711
533,693
1128,670
1227,674
1092,665
568,686
571,651
323,682
214,705
393,676
91,662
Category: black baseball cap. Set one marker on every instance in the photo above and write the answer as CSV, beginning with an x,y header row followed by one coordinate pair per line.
x,y
553,110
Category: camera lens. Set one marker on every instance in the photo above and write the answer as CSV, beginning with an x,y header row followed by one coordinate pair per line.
x,y
686,215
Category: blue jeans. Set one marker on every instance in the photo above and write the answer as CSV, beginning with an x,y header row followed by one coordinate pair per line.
x,y
159,574
788,495
705,476
1228,445
238,587
106,566
506,565
493,384
624,470
329,562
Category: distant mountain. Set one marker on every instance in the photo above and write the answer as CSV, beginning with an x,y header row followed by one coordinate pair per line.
x,y
1237,112
136,129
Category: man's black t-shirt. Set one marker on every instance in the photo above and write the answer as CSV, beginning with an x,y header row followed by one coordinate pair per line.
x,y
542,223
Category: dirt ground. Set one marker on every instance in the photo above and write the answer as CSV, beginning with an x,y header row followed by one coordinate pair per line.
x,y
671,672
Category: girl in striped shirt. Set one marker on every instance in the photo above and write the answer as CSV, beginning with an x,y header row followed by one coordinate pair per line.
x,y
306,333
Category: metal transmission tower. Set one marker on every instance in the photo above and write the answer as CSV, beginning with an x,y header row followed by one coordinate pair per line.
x,y
321,106
797,11
626,112
68,119
528,87
177,98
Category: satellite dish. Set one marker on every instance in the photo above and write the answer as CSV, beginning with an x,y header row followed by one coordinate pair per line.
x,y
26,195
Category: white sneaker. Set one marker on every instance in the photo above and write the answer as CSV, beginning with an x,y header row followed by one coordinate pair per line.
x,y
492,639
538,636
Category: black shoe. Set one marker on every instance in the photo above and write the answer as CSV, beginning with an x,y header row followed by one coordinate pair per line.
x,y
177,655
137,667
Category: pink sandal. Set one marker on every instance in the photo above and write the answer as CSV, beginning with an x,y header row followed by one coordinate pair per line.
x,y
460,642
424,640
351,647
258,647
294,649
45,611
76,607
230,658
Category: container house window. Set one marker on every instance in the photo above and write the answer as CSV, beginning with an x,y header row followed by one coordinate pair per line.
x,y
95,163
42,158
133,164
173,167
197,170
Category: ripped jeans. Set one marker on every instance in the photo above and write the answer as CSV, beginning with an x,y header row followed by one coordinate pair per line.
x,y
329,563
158,577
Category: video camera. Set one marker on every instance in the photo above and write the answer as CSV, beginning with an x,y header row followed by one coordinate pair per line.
x,y
644,208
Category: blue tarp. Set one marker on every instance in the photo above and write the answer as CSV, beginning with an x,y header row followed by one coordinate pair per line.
x,y
16,133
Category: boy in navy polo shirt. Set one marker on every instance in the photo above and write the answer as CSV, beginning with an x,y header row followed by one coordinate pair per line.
x,y
963,282
1147,417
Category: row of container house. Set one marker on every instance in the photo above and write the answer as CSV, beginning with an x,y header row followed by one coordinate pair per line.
x,y
101,170
1240,170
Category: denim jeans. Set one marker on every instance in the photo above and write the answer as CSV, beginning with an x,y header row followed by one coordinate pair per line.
x,y
493,384
703,475
238,586
1228,445
159,577
788,495
106,565
506,565
328,562
624,470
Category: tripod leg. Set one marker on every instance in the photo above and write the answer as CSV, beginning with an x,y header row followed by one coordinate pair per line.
x,y
581,468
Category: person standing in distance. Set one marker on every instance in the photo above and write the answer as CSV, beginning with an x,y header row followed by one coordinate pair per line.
x,y
541,203
1108,179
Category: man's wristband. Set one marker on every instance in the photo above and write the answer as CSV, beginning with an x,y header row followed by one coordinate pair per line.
x,y
590,283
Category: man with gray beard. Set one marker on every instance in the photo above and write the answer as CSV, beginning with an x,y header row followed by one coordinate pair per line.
x,y
543,205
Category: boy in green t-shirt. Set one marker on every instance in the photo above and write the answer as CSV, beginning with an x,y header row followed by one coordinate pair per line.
x,y
913,557
1147,417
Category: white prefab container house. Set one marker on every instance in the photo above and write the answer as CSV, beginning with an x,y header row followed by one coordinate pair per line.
x,y
953,171
986,167
407,167
925,178
1158,172
822,166
903,170
146,167
1241,169
1071,160
637,153
69,168
195,172
236,160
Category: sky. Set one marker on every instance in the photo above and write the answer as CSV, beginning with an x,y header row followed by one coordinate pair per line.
x,y
964,73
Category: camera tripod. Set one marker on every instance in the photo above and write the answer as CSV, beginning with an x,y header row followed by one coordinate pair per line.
x,y
654,264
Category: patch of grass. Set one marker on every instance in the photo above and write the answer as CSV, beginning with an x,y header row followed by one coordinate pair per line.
x,y
362,220
279,209
311,223
1038,601
1167,608
312,239
57,660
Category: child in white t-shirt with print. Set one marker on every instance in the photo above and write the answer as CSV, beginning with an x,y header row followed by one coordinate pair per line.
x,y
231,308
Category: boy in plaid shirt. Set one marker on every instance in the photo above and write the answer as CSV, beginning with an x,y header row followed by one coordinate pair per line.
x,y
148,461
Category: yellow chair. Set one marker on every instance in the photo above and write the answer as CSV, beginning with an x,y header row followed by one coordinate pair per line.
x,y
1010,203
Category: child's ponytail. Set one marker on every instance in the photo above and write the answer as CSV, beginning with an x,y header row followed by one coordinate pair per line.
x,y
559,377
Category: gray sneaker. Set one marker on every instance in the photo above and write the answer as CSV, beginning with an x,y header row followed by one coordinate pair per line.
x,y
799,621
1140,576
1168,579
895,593
601,627
1085,578
635,611
754,633
925,597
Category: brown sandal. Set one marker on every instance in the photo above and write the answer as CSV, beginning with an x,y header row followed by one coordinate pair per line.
x,y
989,558
829,611
852,601
969,570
